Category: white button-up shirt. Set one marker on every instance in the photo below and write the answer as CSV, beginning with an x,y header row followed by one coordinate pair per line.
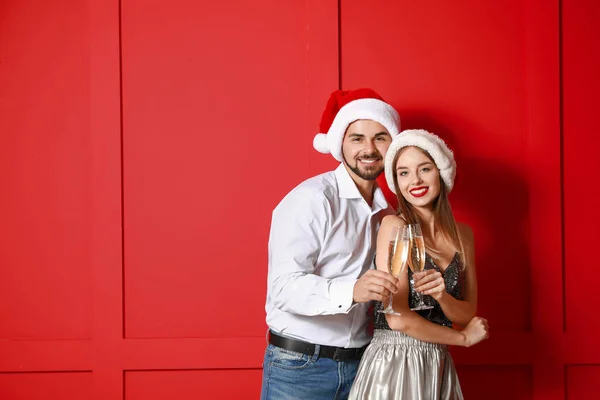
x,y
323,238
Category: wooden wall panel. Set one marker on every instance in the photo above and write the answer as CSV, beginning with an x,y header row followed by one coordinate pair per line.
x,y
581,85
581,381
46,385
486,78
45,274
215,128
461,75
192,385
496,382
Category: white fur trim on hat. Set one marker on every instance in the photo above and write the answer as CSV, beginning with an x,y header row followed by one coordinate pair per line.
x,y
373,109
432,144
320,143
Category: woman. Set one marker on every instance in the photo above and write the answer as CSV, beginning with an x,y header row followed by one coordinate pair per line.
x,y
408,356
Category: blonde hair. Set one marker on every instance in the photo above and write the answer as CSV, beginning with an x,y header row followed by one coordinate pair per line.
x,y
443,218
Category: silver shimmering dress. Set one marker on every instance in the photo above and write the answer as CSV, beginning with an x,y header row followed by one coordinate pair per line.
x,y
398,366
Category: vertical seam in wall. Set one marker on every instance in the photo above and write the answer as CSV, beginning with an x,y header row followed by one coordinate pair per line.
x,y
122,174
123,378
310,25
562,164
339,24
565,372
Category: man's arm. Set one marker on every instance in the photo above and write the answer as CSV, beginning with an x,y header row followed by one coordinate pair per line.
x,y
298,231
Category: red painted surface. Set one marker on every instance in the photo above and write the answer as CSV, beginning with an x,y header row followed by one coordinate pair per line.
x,y
204,127
143,147
192,385
581,140
46,385
581,380
45,179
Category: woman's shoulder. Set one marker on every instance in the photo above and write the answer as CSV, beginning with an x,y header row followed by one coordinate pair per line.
x,y
387,225
392,220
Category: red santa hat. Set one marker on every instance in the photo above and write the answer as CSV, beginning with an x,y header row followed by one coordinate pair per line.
x,y
346,106
434,146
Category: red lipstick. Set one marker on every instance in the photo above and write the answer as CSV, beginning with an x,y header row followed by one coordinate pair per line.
x,y
419,191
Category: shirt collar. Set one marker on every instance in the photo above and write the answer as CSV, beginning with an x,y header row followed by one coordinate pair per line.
x,y
346,186
348,190
379,201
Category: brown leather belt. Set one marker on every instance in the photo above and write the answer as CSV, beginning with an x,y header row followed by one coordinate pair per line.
x,y
299,346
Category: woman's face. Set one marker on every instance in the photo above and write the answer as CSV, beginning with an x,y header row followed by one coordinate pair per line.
x,y
418,177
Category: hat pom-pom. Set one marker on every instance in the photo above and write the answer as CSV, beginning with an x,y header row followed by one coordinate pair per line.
x,y
320,143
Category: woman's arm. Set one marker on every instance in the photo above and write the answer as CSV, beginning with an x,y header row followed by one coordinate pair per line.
x,y
410,322
461,311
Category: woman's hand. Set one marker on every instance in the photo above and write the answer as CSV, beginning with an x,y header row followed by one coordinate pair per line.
x,y
430,282
476,331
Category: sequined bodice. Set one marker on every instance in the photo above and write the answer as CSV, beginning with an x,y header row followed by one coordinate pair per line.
x,y
454,278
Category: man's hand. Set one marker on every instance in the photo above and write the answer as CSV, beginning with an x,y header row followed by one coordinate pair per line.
x,y
374,285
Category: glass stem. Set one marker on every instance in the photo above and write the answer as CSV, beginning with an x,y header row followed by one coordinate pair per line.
x,y
421,302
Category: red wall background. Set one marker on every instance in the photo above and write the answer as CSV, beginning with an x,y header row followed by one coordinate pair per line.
x,y
143,145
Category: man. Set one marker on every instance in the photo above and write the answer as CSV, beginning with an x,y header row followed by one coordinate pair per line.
x,y
321,249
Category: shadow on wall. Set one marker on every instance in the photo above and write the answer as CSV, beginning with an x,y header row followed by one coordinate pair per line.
x,y
492,197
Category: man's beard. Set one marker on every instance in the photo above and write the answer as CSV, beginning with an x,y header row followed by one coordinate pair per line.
x,y
369,175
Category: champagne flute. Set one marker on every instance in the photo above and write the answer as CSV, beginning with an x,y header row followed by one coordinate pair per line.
x,y
416,258
397,257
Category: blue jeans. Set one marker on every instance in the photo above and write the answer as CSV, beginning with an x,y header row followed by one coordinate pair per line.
x,y
288,375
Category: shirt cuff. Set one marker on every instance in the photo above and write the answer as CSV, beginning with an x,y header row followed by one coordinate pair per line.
x,y
342,293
